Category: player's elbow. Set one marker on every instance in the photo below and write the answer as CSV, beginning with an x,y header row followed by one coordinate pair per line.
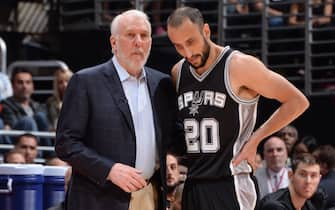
x,y
302,104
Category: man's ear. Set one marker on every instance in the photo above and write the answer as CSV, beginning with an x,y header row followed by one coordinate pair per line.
x,y
112,42
290,174
207,30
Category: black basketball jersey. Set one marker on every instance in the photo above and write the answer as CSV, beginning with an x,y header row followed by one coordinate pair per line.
x,y
217,123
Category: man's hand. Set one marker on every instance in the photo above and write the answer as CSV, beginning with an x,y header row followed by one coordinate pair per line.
x,y
248,153
127,178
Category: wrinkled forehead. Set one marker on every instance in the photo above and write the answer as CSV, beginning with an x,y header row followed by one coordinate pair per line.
x,y
132,22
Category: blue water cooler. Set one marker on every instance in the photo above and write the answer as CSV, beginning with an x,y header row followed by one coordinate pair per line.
x,y
53,187
21,187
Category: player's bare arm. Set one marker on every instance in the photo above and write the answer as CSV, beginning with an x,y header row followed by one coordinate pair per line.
x,y
249,77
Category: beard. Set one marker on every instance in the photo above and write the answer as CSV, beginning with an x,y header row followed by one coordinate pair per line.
x,y
204,55
172,188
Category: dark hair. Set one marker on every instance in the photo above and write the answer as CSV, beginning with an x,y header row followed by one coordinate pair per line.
x,y
305,158
180,14
292,127
325,154
310,142
29,135
178,158
17,71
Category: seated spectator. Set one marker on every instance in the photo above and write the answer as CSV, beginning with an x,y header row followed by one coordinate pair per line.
x,y
54,103
290,135
274,175
325,154
27,145
304,180
238,6
321,11
305,145
276,11
21,112
173,182
14,156
297,14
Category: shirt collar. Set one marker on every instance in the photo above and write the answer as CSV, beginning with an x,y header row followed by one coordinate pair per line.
x,y
123,74
272,173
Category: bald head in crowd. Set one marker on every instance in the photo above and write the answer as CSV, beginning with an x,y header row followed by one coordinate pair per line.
x,y
275,153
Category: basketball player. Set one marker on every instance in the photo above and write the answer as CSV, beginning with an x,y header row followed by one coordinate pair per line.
x,y
218,89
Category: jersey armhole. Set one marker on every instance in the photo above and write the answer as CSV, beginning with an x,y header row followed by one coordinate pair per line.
x,y
228,85
179,68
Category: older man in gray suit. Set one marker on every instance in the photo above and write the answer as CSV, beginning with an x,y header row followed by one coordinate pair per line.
x,y
274,175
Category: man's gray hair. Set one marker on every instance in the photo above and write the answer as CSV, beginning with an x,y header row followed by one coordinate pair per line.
x,y
114,27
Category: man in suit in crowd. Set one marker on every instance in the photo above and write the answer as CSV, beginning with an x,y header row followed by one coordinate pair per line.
x,y
115,124
274,175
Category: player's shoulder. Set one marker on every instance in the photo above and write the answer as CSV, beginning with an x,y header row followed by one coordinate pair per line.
x,y
176,68
239,59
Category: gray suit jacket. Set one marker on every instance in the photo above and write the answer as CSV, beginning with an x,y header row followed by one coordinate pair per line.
x,y
262,182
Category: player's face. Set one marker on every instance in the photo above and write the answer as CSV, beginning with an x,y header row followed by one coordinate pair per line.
x,y
172,171
275,154
305,180
132,44
191,42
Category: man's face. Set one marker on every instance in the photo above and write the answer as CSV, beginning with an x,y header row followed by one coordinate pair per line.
x,y
191,42
275,154
305,180
62,82
28,147
172,171
23,86
132,43
290,137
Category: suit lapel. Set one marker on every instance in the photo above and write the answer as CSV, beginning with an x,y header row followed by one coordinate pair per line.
x,y
152,86
115,88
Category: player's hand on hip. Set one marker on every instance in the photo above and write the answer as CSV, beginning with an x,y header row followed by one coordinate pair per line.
x,y
247,153
126,177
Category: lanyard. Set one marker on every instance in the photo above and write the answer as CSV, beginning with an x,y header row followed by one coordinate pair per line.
x,y
275,187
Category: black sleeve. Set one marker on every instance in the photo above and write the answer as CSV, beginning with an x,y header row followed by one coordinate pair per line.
x,y
271,205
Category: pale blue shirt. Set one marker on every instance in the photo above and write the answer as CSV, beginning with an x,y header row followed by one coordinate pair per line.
x,y
137,94
6,89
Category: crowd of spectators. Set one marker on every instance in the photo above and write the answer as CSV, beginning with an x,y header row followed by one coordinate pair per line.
x,y
20,112
279,176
